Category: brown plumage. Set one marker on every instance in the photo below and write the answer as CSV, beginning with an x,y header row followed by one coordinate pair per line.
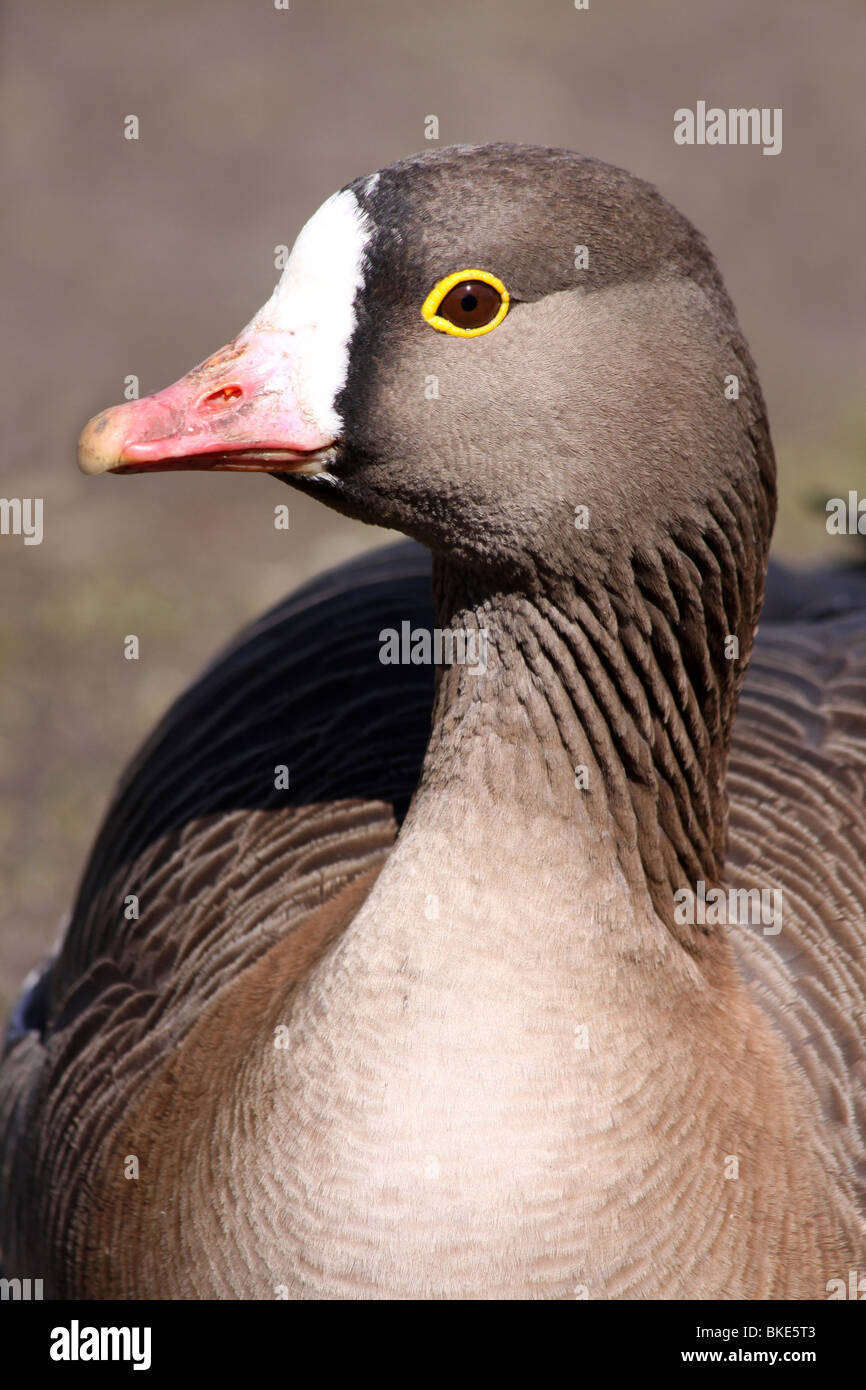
x,y
472,1047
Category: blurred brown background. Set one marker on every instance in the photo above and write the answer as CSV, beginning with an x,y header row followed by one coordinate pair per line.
x,y
143,257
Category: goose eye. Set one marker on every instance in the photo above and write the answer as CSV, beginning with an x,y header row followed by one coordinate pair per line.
x,y
470,305
466,303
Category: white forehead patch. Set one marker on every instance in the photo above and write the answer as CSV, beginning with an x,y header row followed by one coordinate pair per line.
x,y
315,302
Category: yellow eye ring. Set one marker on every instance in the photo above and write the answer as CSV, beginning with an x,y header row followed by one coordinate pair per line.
x,y
432,304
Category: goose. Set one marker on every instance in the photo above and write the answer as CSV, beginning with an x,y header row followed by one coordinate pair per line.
x,y
482,999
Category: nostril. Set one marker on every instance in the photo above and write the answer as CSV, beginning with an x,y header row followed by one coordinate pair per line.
x,y
222,395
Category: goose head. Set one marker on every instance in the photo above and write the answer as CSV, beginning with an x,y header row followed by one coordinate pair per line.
x,y
523,358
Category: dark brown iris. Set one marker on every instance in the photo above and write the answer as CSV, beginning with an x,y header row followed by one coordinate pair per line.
x,y
471,304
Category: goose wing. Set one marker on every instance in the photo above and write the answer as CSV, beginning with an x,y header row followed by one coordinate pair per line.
x,y
797,785
205,860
